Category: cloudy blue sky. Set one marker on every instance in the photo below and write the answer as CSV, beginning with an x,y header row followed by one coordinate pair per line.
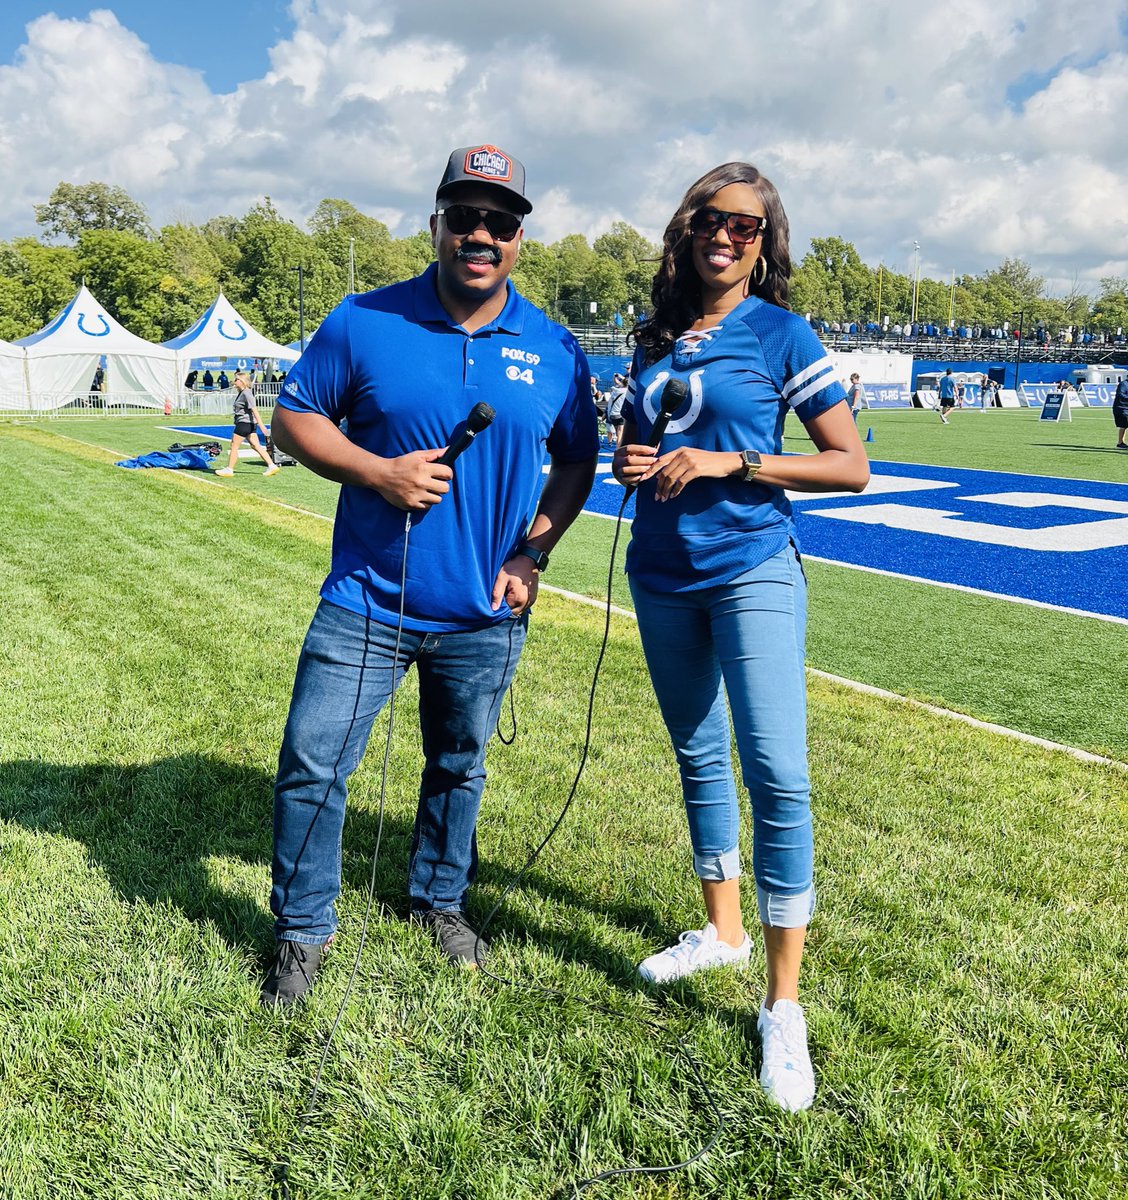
x,y
980,128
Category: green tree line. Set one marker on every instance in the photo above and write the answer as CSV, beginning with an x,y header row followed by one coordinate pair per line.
x,y
157,282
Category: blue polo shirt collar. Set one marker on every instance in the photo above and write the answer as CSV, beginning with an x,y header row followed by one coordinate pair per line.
x,y
429,309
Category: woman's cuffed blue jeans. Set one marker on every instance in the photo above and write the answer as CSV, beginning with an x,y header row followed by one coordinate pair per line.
x,y
748,636
347,671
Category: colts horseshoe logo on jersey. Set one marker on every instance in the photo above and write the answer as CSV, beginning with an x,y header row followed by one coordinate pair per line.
x,y
678,424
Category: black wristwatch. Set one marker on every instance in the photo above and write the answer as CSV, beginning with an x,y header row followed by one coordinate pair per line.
x,y
539,557
752,464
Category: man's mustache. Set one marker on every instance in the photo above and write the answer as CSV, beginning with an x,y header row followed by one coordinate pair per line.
x,y
476,250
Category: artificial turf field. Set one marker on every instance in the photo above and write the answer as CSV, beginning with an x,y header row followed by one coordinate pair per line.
x,y
966,978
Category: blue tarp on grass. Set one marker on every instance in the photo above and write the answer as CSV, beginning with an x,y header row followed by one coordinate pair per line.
x,y
190,460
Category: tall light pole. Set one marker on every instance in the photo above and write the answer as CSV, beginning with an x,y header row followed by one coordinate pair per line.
x,y
301,305
1021,315
916,280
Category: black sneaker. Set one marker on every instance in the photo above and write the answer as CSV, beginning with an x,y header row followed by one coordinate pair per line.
x,y
456,938
291,974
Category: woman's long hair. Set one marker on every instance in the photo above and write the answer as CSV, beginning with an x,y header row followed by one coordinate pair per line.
x,y
676,291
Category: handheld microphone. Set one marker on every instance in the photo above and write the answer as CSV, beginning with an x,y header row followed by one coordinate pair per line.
x,y
480,416
673,394
669,402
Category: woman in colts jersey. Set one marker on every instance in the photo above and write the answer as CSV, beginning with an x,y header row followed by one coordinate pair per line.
x,y
716,577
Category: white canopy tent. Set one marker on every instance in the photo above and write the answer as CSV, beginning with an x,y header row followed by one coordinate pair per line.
x,y
63,356
222,333
13,377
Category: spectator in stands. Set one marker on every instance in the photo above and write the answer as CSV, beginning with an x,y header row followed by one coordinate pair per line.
x,y
246,416
947,394
1120,411
717,585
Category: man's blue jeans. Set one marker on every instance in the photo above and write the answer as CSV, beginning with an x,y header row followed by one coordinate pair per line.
x,y
748,636
345,677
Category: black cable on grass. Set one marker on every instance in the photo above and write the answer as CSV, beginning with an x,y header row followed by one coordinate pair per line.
x,y
682,1048
282,1168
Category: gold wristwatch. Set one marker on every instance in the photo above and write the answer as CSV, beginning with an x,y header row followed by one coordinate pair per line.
x,y
752,465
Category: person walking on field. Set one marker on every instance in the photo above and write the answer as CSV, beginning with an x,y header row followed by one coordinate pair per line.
x,y
246,416
856,395
947,394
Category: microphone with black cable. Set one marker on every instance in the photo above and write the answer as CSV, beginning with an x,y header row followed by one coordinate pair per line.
x,y
669,402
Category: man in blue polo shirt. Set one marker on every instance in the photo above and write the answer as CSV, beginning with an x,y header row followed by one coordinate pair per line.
x,y
457,552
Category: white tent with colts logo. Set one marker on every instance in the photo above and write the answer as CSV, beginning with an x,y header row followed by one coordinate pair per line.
x,y
63,356
222,333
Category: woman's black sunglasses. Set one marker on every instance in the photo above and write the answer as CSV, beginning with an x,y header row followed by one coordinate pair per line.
x,y
741,227
462,219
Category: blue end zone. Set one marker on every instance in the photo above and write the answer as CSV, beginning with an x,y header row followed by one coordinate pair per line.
x,y
1061,542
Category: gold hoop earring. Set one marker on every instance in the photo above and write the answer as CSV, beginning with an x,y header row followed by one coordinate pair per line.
x,y
760,262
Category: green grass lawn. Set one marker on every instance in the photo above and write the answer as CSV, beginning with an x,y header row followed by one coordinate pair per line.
x,y
967,972
994,660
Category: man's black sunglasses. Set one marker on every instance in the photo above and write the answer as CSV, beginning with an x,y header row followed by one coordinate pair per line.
x,y
462,219
741,227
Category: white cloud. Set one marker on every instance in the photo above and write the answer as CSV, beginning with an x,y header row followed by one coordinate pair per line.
x,y
981,128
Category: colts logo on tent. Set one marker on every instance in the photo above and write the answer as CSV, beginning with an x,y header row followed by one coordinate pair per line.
x,y
488,162
93,332
232,337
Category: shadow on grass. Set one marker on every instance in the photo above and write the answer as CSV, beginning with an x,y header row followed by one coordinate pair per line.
x,y
1081,449
151,829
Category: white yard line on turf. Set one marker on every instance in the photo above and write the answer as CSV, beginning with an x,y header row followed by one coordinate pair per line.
x,y
868,689
959,587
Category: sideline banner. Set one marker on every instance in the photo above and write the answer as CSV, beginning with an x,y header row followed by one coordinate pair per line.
x,y
1098,395
887,395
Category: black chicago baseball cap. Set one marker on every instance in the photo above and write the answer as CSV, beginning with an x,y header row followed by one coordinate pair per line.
x,y
486,165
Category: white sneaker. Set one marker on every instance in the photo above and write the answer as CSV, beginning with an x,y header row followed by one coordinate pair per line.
x,y
226,472
696,950
787,1075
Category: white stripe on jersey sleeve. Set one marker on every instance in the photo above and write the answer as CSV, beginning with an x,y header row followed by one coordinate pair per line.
x,y
825,377
822,364
812,388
